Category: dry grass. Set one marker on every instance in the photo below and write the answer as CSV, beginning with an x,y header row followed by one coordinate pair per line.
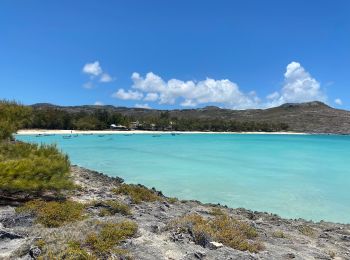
x,y
279,234
222,228
54,213
137,193
112,207
110,236
307,230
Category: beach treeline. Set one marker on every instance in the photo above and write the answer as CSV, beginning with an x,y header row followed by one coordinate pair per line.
x,y
101,119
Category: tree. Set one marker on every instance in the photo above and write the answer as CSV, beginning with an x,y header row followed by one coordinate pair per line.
x,y
12,117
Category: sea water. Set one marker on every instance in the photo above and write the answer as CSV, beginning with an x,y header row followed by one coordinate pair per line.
x,y
294,176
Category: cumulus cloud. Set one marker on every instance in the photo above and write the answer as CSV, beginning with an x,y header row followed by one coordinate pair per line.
x,y
93,69
338,101
151,97
298,86
98,103
96,73
146,106
191,93
128,95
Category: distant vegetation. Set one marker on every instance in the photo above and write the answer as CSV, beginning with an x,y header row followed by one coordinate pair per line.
x,y
99,119
26,167
12,117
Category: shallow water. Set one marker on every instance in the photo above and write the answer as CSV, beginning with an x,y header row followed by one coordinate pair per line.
x,y
305,176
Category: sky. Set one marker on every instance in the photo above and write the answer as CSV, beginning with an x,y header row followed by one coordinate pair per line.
x,y
168,54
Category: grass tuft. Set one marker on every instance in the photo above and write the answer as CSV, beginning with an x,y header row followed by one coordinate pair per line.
x,y
222,228
54,213
137,193
110,236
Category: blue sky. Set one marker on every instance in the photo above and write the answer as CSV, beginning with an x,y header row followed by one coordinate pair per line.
x,y
175,54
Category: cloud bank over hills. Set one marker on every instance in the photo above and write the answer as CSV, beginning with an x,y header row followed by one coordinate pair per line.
x,y
298,86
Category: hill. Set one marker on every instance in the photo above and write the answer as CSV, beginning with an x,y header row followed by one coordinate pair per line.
x,y
311,117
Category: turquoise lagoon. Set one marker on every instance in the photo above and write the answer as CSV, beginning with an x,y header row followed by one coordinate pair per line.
x,y
294,176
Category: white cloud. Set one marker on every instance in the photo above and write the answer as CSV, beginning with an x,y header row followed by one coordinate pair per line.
x,y
105,77
193,93
338,101
151,97
146,106
98,103
299,86
93,69
128,95
96,73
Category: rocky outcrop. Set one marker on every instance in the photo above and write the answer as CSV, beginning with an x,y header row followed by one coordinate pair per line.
x,y
282,238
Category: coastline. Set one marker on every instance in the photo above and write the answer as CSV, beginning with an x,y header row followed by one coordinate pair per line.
x,y
280,238
47,131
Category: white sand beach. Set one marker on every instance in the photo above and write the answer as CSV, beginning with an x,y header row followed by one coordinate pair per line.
x,y
44,131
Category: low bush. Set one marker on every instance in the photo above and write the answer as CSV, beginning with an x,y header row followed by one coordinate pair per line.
x,y
137,193
222,228
54,213
278,234
75,251
111,207
306,230
33,168
110,236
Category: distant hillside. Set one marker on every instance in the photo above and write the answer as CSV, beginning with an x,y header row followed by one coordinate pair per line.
x,y
313,117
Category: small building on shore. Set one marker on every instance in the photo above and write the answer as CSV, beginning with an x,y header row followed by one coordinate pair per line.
x,y
118,127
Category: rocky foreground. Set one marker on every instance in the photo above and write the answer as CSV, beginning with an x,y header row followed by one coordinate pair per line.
x,y
280,238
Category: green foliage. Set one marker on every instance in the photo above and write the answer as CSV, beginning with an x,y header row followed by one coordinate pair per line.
x,y
33,168
137,193
110,236
111,207
222,228
12,117
54,213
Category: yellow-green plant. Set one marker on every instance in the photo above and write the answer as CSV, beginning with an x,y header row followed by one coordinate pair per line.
x,y
33,168
137,193
222,228
110,236
54,213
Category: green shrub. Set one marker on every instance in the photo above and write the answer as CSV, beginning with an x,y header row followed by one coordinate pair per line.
x,y
33,168
137,193
110,236
222,228
54,213
111,207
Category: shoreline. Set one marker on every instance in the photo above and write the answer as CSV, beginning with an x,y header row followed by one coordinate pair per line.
x,y
279,238
47,131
